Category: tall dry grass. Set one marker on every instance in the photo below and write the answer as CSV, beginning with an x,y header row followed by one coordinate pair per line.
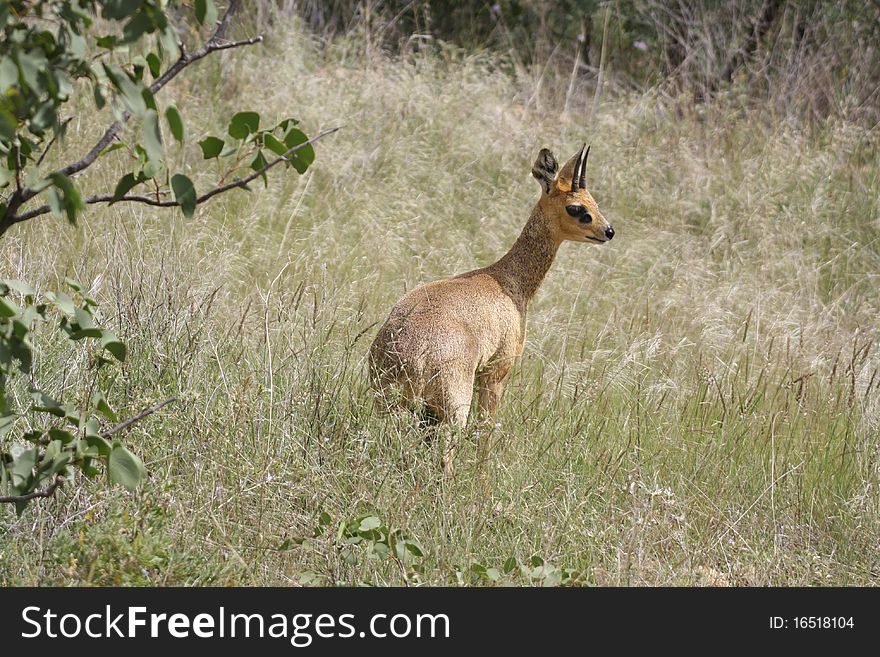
x,y
697,403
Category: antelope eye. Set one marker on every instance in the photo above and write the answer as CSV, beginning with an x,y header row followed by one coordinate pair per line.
x,y
575,210
586,218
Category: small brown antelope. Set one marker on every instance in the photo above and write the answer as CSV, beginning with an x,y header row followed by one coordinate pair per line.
x,y
444,336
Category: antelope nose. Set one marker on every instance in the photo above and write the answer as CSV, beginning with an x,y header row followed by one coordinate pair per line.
x,y
609,232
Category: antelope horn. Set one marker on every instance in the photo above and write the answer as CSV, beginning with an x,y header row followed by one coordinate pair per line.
x,y
577,167
583,183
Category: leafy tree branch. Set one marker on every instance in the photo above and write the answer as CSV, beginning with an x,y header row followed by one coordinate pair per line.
x,y
31,100
149,200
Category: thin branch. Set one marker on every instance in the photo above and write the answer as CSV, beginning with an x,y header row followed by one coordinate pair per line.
x,y
215,43
256,174
148,200
49,491
759,29
18,170
223,23
137,418
52,141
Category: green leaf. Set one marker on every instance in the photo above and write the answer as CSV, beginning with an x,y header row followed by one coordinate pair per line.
x,y
21,325
149,100
139,63
124,186
8,73
100,100
129,89
111,343
304,156
64,302
84,320
92,427
21,350
154,64
23,462
244,124
6,422
140,24
70,199
43,403
258,163
119,9
478,569
74,285
108,42
22,288
168,40
8,308
31,64
85,333
87,468
124,467
175,122
103,407
348,557
369,523
551,577
206,12
286,123
184,193
44,118
61,435
77,43
112,147
63,84
8,124
274,144
211,147
98,444
152,137
413,549
58,465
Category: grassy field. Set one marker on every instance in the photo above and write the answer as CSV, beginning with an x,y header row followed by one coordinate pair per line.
x,y
698,402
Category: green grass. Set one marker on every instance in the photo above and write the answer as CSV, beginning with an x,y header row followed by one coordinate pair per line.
x,y
698,401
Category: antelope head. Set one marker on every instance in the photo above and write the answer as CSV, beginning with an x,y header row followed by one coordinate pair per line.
x,y
565,201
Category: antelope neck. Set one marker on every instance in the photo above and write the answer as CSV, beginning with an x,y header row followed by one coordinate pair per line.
x,y
521,270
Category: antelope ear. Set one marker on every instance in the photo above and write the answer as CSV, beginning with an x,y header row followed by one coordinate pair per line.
x,y
544,169
567,172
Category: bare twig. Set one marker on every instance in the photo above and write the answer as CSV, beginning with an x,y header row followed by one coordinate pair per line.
x,y
217,42
600,79
582,51
52,141
759,29
137,418
49,491
148,200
